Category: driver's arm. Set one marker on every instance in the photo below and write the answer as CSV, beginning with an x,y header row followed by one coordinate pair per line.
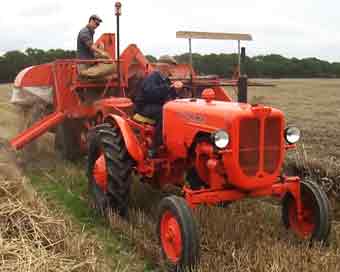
x,y
87,40
95,49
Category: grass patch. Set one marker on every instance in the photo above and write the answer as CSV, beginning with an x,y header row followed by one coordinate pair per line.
x,y
71,201
65,188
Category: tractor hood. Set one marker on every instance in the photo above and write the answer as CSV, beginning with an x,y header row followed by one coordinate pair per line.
x,y
214,115
185,118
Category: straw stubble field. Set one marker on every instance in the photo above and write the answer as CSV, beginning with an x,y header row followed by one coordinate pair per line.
x,y
314,106
245,236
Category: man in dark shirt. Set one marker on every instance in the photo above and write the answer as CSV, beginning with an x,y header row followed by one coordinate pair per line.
x,y
86,49
156,89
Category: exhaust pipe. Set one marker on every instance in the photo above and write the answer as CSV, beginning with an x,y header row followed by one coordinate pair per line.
x,y
118,12
242,94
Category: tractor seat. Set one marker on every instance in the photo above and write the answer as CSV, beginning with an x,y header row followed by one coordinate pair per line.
x,y
143,119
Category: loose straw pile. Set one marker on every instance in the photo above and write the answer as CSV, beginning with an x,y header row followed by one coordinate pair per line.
x,y
32,239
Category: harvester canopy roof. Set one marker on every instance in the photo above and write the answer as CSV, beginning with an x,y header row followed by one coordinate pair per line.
x,y
213,35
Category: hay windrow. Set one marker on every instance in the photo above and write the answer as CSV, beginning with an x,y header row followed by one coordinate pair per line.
x,y
34,239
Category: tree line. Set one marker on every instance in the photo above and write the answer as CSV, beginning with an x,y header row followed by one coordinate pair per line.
x,y
12,62
268,66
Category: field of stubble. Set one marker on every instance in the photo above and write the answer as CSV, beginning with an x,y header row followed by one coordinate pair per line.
x,y
246,236
314,106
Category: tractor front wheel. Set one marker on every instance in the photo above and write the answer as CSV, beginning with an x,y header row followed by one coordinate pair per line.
x,y
177,233
316,219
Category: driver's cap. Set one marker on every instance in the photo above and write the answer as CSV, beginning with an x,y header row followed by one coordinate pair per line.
x,y
96,17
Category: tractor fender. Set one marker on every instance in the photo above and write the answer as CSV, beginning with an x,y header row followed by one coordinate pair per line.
x,y
131,142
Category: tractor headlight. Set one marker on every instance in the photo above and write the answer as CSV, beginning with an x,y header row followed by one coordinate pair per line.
x,y
221,139
292,135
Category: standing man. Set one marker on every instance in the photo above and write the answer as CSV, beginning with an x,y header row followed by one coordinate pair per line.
x,y
156,90
86,49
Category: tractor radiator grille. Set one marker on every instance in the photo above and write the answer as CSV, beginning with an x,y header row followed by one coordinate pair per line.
x,y
250,145
272,140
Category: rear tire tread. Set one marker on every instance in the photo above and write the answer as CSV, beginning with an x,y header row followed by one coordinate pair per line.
x,y
118,165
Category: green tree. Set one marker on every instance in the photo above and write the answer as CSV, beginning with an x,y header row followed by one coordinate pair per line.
x,y
272,65
151,58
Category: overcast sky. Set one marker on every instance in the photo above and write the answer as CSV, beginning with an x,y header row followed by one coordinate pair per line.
x,y
293,28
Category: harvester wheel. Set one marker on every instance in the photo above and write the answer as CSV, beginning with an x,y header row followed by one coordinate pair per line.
x,y
177,233
68,142
109,170
316,223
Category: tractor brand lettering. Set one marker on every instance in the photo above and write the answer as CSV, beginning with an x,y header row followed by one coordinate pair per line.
x,y
192,117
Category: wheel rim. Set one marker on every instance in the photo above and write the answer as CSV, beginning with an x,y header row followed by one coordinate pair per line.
x,y
100,172
171,237
306,226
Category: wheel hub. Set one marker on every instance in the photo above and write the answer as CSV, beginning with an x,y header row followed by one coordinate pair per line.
x,y
171,237
100,172
303,227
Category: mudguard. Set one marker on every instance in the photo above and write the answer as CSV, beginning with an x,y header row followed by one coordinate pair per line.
x,y
131,142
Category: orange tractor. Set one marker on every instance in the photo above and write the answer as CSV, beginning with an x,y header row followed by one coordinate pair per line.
x,y
217,152
215,149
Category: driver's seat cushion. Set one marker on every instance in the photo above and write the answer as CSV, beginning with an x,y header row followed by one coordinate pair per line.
x,y
143,119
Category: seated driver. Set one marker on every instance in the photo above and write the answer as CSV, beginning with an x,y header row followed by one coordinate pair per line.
x,y
87,50
156,89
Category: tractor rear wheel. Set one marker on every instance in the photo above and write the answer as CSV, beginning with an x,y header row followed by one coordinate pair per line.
x,y
316,222
177,233
109,170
